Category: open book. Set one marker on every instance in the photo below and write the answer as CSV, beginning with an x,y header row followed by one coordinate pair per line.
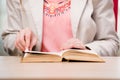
x,y
66,55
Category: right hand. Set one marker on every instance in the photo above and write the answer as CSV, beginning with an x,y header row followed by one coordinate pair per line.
x,y
73,43
25,39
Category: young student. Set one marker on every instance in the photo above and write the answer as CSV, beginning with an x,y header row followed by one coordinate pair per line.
x,y
55,25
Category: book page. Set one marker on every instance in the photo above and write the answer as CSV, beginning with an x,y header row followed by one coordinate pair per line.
x,y
87,51
82,55
38,52
84,51
61,52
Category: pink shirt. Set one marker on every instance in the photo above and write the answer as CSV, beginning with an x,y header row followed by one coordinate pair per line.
x,y
56,25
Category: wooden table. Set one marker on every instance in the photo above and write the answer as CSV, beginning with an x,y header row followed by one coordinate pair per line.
x,y
12,69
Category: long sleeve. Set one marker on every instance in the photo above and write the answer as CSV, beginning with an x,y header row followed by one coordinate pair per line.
x,y
12,27
106,41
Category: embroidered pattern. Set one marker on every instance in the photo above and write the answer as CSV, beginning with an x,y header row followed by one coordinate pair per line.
x,y
56,9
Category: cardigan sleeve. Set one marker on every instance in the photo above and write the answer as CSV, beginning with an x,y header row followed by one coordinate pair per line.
x,y
12,27
106,41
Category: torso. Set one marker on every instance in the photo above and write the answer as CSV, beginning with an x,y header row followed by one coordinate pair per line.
x,y
56,24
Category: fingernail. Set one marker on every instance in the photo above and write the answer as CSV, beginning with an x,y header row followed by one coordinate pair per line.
x,y
26,49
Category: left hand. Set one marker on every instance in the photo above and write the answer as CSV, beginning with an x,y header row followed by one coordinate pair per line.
x,y
73,43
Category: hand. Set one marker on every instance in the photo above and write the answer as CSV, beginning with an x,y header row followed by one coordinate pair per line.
x,y
25,40
73,43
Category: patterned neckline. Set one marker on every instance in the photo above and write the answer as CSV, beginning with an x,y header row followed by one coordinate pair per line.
x,y
53,9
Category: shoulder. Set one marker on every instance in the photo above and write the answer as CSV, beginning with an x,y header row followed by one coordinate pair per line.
x,y
13,1
102,2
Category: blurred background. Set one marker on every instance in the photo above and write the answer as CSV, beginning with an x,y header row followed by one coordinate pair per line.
x,y
3,16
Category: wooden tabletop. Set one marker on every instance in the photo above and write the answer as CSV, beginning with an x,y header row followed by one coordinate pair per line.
x,y
12,69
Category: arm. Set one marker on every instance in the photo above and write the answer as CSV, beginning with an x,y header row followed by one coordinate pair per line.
x,y
17,37
106,40
13,26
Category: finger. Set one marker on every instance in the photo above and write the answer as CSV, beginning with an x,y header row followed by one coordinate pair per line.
x,y
33,42
73,43
79,45
27,39
76,43
70,43
67,45
19,46
22,39
17,42
20,42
